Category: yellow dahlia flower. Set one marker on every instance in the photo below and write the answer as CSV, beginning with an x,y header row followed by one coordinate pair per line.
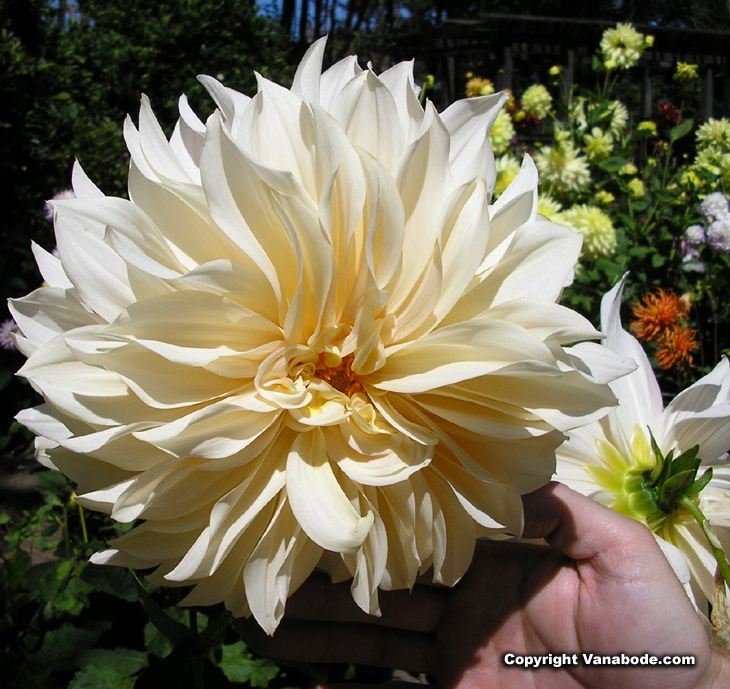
x,y
307,340
622,46
549,207
595,226
507,167
562,168
537,101
685,72
598,144
714,134
501,133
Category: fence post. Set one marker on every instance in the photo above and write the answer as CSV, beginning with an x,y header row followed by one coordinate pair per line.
x,y
646,94
505,76
707,96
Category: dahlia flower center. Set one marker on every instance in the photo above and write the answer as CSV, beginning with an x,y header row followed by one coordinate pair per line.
x,y
340,375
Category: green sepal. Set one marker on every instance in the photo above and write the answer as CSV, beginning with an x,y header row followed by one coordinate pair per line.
x,y
700,483
687,461
673,488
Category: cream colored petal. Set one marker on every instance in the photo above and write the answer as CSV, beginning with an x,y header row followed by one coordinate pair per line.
x,y
399,81
453,533
368,564
48,312
129,231
496,506
424,181
187,140
469,122
396,508
335,79
375,459
192,327
282,560
241,282
640,400
83,187
309,73
50,268
463,239
230,518
231,103
539,259
460,352
155,380
317,499
367,112
210,435
98,274
192,235
516,206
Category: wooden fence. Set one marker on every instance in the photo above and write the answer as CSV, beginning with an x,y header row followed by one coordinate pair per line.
x,y
517,41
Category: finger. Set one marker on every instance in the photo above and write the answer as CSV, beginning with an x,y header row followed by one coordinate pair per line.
x,y
324,642
581,528
317,599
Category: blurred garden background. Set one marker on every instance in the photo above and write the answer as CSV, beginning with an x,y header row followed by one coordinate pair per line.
x,y
623,105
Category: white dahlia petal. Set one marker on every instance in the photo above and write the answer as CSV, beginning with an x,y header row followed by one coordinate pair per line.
x,y
307,339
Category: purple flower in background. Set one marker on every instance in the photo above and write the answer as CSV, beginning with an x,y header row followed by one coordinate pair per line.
x,y
6,327
718,235
65,194
691,259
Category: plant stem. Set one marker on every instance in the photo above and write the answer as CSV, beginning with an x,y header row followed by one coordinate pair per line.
x,y
84,532
196,660
710,535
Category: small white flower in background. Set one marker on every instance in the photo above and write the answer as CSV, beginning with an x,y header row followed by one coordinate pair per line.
x,y
307,340
694,236
609,459
65,194
714,205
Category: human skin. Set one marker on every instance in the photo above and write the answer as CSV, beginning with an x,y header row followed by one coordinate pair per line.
x,y
600,586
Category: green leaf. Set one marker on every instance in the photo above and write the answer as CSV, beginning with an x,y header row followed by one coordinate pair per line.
x,y
105,677
240,666
116,581
682,129
61,646
124,660
156,642
613,164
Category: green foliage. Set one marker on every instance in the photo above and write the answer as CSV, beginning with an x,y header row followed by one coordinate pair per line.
x,y
67,623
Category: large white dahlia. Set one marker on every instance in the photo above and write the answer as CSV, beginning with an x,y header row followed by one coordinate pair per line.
x,y
307,340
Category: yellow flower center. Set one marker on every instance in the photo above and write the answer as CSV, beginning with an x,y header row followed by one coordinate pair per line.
x,y
341,376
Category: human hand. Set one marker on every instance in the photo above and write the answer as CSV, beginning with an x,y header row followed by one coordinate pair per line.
x,y
602,587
